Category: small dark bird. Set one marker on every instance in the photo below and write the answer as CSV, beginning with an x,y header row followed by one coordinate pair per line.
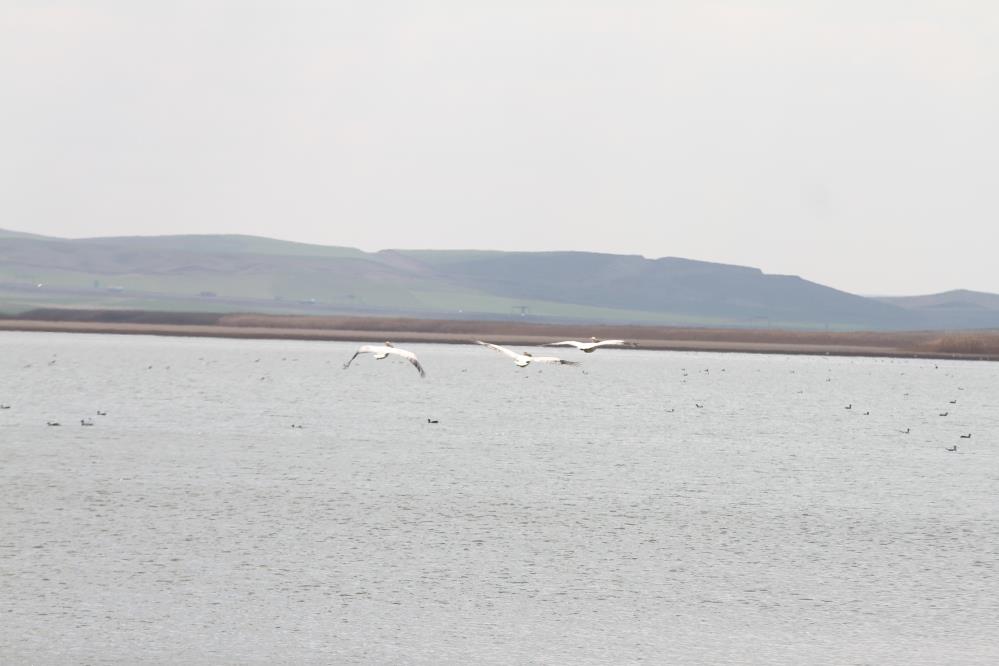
x,y
52,423
432,421
952,449
944,413
699,406
867,413
953,402
904,432
100,413
850,406
4,406
968,436
86,422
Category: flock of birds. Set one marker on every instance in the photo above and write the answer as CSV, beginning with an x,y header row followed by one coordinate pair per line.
x,y
952,449
520,360
387,349
524,359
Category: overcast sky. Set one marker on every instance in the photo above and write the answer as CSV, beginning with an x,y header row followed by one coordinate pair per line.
x,y
855,143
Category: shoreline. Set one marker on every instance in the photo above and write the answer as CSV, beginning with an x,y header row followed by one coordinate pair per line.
x,y
902,344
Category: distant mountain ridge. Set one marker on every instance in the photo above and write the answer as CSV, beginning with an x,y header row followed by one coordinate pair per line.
x,y
251,273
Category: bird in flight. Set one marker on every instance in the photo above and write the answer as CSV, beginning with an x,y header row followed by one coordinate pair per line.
x,y
383,351
525,359
591,346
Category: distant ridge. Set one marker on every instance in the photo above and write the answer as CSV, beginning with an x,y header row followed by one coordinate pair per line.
x,y
239,273
957,298
6,233
958,308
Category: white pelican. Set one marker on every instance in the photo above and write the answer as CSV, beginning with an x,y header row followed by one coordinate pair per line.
x,y
525,359
382,351
590,346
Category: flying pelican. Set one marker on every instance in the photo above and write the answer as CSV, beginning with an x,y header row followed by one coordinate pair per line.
x,y
382,351
525,359
590,346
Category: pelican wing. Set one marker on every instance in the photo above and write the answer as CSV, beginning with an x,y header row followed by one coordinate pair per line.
x,y
503,350
551,359
605,343
364,349
409,356
567,343
351,359
381,351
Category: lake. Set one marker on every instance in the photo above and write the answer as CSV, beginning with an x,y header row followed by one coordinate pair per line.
x,y
564,515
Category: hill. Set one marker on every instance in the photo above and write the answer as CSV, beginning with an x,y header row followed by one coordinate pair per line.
x,y
231,273
960,308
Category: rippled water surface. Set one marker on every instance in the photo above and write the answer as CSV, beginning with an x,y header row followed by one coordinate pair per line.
x,y
589,514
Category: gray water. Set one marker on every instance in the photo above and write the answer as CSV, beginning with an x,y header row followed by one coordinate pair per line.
x,y
589,514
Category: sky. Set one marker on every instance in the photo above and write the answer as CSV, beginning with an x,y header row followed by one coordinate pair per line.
x,y
854,143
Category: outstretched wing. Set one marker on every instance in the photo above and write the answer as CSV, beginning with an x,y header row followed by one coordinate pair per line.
x,y
365,349
503,350
347,364
607,343
409,356
551,359
565,343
